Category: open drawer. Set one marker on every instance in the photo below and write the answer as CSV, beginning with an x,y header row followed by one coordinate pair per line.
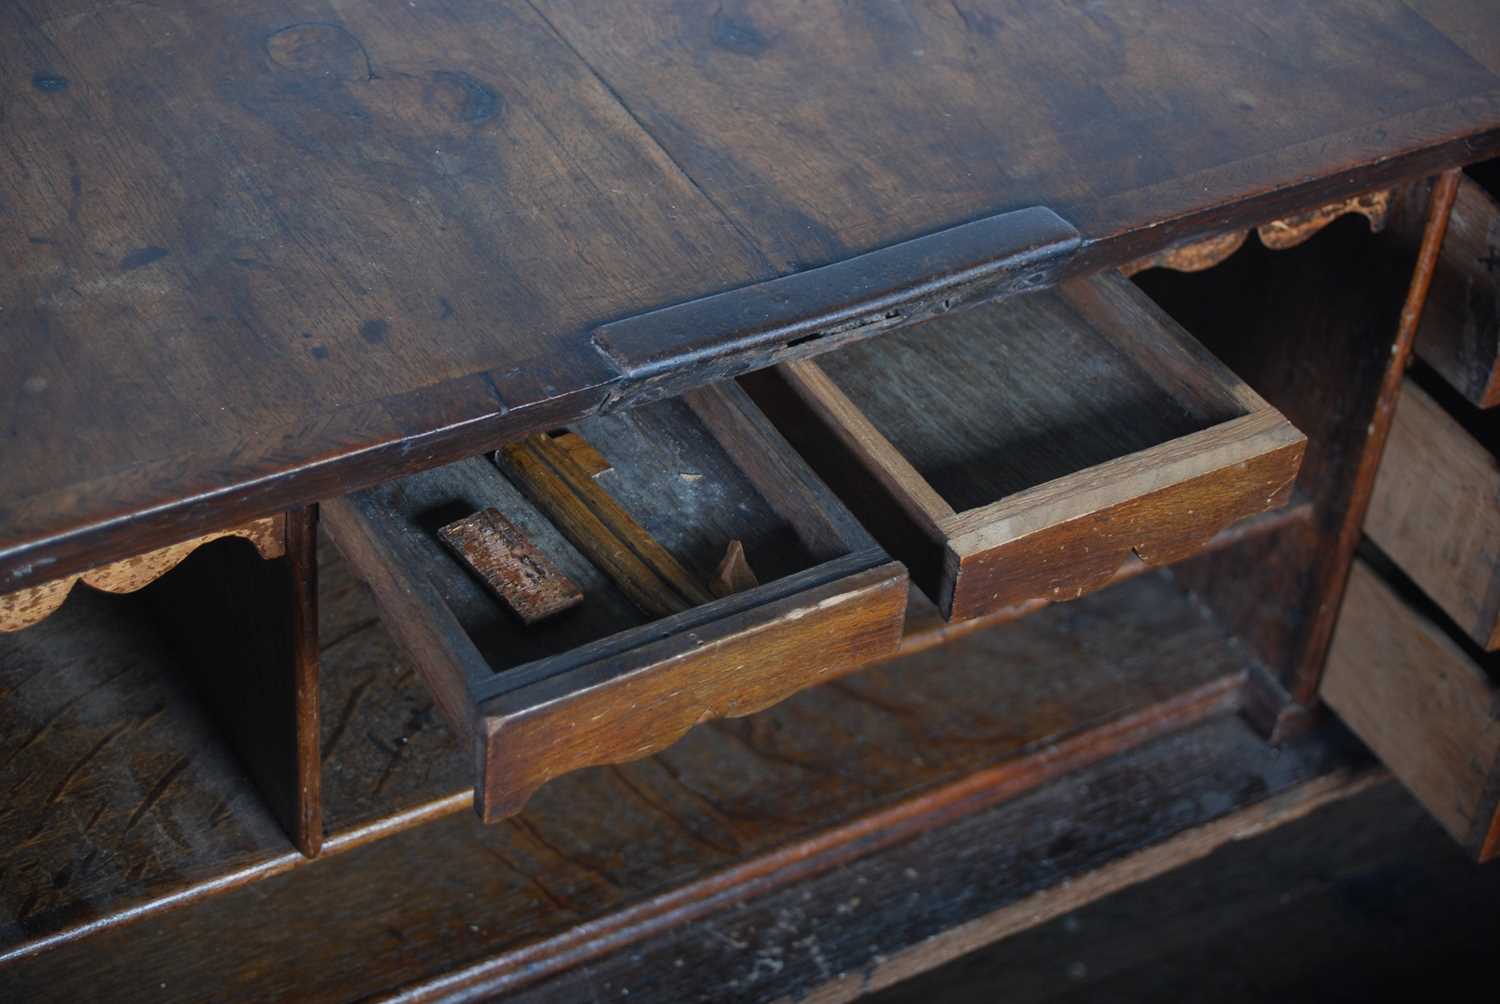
x,y
1425,702
1024,449
605,682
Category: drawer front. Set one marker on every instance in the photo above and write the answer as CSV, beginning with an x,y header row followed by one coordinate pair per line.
x,y
1026,450
1436,512
1428,709
630,667
1459,334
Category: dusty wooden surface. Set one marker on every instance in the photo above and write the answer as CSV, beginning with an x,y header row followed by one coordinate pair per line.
x,y
257,255
896,913
1307,912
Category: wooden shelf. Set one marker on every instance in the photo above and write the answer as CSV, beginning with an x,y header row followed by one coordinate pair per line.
x,y
119,787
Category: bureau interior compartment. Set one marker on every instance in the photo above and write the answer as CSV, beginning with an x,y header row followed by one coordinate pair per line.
x,y
119,783
1025,448
696,473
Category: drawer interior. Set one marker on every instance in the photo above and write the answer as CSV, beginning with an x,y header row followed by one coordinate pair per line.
x,y
1024,450
669,471
991,402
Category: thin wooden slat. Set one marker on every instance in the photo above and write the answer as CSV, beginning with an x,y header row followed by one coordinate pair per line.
x,y
511,566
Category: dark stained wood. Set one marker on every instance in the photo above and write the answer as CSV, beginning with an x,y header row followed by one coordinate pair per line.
x,y
1436,513
389,764
627,672
1029,449
951,891
120,788
824,307
457,924
1324,358
1427,708
1459,334
515,571
247,633
380,239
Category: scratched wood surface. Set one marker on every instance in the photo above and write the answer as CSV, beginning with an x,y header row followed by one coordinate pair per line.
x,y
730,790
335,935
376,236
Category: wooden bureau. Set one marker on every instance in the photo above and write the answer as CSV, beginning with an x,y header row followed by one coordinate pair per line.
x,y
954,440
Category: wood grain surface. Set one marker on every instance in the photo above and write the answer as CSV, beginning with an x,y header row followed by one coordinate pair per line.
x,y
262,255
1460,330
1436,513
1428,709
522,577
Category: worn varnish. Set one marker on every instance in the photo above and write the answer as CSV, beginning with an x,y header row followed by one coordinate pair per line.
x,y
389,762
355,234
1027,450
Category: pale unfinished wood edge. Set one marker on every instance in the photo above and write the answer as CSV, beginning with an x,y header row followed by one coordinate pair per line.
x,y
1115,482
814,387
1194,256
26,607
1290,231
1278,235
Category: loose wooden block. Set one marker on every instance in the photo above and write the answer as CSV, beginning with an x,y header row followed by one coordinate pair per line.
x,y
523,577
1024,450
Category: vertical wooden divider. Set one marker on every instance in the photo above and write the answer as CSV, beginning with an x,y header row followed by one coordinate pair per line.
x,y
247,629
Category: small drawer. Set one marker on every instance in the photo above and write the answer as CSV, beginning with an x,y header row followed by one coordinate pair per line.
x,y
1024,449
1428,707
1435,511
604,682
1459,334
